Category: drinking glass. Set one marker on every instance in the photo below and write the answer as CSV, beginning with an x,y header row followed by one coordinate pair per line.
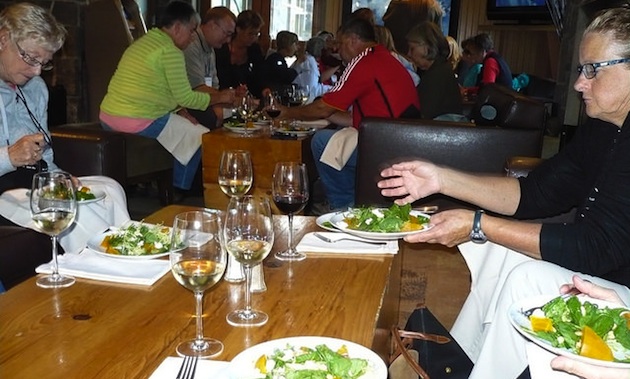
x,y
246,110
303,93
290,194
272,109
198,261
53,208
235,172
249,237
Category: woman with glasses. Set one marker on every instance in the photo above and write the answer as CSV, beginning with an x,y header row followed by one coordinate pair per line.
x,y
591,176
239,61
29,36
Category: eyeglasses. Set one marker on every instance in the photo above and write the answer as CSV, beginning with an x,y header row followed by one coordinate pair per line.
x,y
32,61
590,69
227,33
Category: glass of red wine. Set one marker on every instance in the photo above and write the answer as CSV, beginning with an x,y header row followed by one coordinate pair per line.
x,y
272,109
290,194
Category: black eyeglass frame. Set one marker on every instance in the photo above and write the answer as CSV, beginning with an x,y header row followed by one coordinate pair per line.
x,y
29,60
590,73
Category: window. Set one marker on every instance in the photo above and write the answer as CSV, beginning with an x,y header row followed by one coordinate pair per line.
x,y
292,15
380,6
236,6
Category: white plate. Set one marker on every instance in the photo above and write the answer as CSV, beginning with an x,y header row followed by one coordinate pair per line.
x,y
240,129
338,221
94,244
523,325
243,365
297,133
325,218
98,196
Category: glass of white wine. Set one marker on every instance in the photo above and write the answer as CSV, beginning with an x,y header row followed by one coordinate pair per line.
x,y
198,261
235,172
53,209
249,238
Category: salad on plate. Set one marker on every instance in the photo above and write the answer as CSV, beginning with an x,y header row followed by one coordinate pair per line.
x,y
397,218
138,239
579,326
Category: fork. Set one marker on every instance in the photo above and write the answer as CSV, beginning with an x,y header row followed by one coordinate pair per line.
x,y
572,291
330,240
188,368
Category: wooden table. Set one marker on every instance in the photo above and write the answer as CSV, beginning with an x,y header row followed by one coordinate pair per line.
x,y
103,330
265,151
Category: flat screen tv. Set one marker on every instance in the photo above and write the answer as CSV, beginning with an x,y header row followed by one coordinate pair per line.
x,y
522,11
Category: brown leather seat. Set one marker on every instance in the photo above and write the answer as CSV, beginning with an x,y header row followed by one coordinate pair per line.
x,y
463,146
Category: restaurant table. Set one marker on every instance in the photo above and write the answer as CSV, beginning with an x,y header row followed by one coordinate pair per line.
x,y
104,330
265,149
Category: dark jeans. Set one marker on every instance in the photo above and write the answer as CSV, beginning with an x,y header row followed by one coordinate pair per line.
x,y
22,251
206,118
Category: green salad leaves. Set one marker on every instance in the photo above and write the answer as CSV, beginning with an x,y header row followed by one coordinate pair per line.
x,y
306,363
569,316
397,218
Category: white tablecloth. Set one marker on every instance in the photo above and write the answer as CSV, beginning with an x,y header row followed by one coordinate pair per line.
x,y
91,219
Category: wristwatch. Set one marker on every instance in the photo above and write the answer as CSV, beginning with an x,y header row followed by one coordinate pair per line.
x,y
476,234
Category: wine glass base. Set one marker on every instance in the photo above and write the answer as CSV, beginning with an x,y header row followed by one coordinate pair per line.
x,y
58,281
205,348
244,318
290,255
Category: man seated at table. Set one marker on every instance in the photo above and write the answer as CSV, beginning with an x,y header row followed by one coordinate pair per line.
x,y
217,27
149,92
275,74
374,84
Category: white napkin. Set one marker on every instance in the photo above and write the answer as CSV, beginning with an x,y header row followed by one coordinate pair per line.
x,y
92,218
205,369
539,364
90,265
312,244
181,137
340,147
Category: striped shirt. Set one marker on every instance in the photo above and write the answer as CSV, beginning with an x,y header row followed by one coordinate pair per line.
x,y
151,81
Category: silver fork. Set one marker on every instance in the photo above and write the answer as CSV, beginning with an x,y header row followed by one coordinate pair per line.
x,y
330,240
188,368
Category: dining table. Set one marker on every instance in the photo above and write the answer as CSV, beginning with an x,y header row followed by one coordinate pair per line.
x,y
97,329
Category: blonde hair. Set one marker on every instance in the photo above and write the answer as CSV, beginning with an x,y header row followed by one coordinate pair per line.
x,y
384,37
455,54
26,21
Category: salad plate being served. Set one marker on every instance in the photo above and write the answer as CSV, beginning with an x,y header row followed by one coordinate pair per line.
x,y
580,327
381,223
298,131
332,356
136,240
323,222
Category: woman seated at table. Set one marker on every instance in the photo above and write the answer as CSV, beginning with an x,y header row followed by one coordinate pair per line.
x,y
29,37
384,37
239,60
438,89
589,175
308,69
274,73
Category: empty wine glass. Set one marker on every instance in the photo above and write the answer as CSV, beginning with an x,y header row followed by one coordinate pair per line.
x,y
53,208
198,261
290,194
249,237
235,172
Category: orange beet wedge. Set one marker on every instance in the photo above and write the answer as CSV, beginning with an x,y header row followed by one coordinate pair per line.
x,y
593,346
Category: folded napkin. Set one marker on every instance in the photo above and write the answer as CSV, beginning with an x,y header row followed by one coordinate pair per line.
x,y
340,147
312,244
90,265
181,137
205,369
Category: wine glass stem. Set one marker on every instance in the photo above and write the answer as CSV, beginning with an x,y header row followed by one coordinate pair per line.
x,y
199,314
248,287
290,216
55,265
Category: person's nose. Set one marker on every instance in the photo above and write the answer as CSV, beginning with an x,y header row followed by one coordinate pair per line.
x,y
581,83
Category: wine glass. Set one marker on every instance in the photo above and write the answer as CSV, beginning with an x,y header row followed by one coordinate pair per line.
x,y
304,93
272,109
235,172
249,237
53,208
245,110
290,194
198,261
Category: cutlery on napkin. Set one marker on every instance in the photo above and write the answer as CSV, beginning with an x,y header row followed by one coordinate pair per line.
x,y
90,265
311,244
205,369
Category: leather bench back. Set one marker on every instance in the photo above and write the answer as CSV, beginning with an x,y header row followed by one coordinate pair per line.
x,y
499,105
462,146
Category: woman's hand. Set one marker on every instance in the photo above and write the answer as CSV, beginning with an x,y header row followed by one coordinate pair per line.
x,y
27,150
593,290
449,228
413,180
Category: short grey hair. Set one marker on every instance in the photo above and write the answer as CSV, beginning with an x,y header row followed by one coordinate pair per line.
x,y
315,45
26,21
614,22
